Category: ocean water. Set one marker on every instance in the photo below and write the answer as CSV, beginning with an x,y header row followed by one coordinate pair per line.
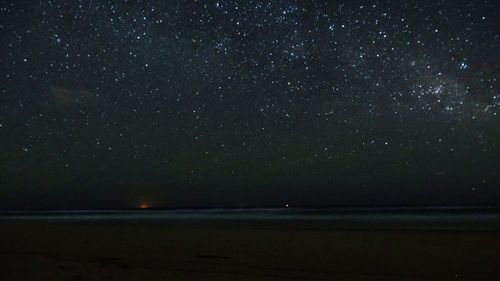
x,y
425,218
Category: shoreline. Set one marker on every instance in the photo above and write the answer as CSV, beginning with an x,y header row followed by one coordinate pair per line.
x,y
449,220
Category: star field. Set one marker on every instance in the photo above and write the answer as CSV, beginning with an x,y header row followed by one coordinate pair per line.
x,y
249,102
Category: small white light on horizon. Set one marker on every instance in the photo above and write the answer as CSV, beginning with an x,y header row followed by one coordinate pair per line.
x,y
463,65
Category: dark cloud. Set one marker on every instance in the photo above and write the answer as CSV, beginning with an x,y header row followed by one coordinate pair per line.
x,y
67,97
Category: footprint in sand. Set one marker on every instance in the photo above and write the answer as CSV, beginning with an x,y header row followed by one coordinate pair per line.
x,y
114,262
76,278
65,267
212,257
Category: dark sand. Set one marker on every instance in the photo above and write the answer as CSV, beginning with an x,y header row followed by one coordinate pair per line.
x,y
204,250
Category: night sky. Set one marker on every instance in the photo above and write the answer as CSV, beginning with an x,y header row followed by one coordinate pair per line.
x,y
112,104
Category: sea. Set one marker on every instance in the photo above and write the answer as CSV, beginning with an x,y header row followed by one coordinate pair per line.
x,y
453,218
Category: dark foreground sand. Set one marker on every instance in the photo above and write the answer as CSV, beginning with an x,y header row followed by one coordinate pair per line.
x,y
242,251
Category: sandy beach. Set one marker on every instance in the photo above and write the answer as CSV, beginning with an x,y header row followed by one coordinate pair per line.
x,y
219,250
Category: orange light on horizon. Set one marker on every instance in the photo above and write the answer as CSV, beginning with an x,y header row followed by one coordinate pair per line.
x,y
144,205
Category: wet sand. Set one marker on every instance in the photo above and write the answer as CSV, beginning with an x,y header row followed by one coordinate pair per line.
x,y
219,250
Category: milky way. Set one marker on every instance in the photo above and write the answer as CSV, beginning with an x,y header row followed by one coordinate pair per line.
x,y
249,102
